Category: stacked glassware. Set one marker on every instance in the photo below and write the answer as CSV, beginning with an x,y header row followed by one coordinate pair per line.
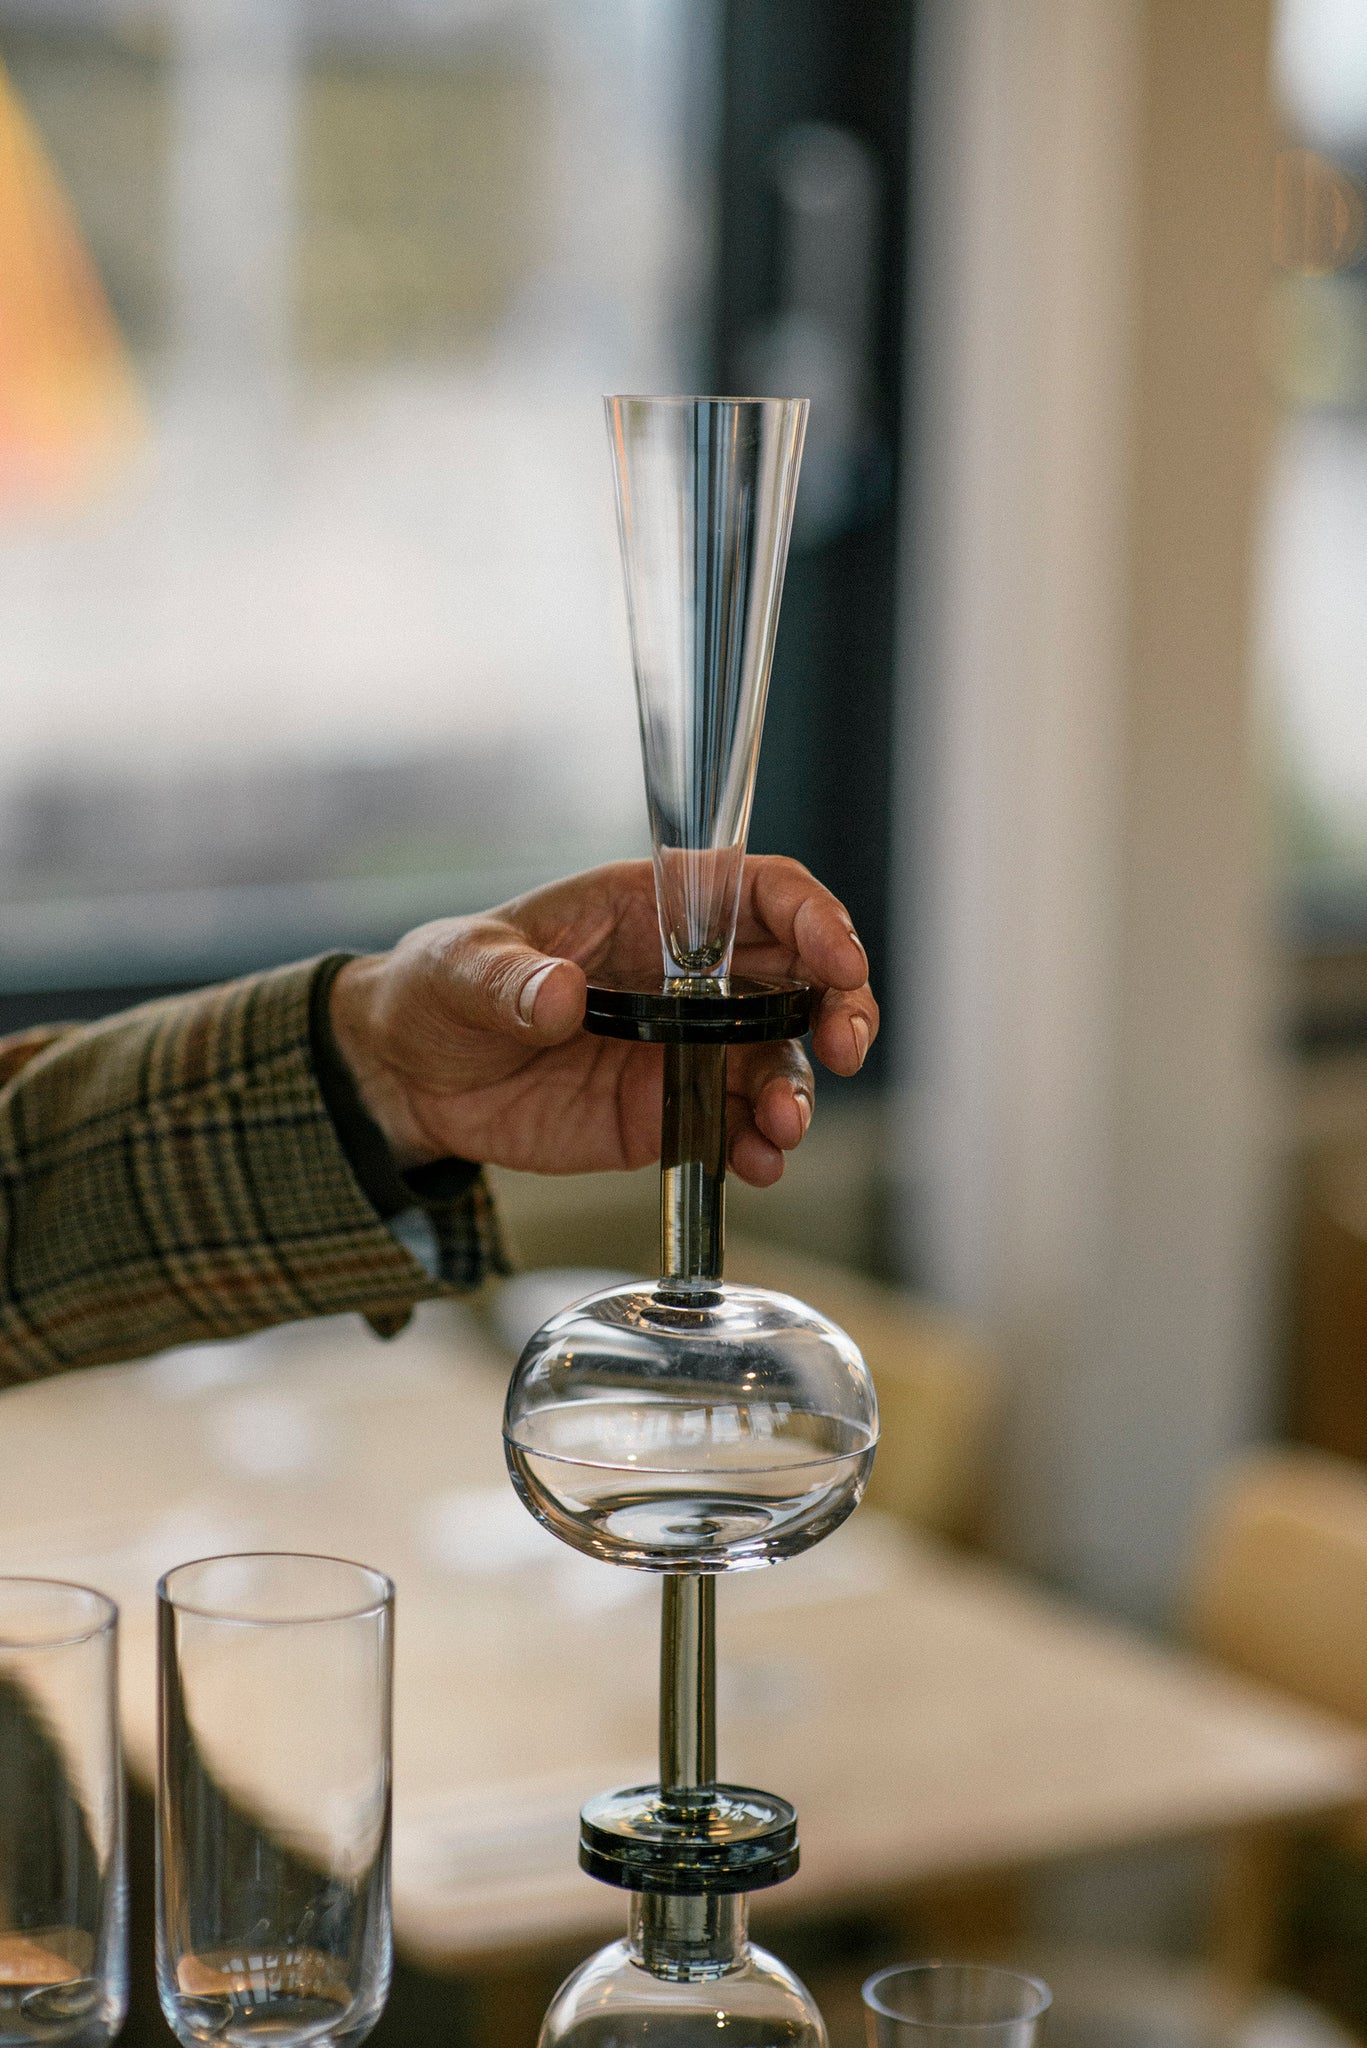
x,y
690,1427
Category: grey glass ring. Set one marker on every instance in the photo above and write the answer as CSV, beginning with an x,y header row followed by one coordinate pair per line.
x,y
737,1840
1002,1998
100,1614
682,398
185,1601
742,1010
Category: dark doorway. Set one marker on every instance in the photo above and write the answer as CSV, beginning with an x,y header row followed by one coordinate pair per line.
x,y
810,291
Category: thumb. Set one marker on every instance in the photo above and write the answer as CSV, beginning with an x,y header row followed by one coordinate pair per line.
x,y
507,986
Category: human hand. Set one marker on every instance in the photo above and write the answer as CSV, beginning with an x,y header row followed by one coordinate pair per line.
x,y
465,1040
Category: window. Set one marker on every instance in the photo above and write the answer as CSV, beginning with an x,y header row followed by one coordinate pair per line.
x,y
1315,590
313,617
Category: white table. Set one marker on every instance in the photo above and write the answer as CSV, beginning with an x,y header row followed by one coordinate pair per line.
x,y
929,1714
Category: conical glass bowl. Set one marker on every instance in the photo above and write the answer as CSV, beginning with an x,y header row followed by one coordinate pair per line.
x,y
705,495
691,1427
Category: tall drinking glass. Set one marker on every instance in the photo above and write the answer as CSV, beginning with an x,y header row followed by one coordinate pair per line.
x,y
953,2005
273,1796
63,1904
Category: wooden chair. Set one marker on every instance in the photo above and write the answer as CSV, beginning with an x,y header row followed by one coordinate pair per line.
x,y
1279,1587
1278,1591
609,1220
937,1391
1328,1387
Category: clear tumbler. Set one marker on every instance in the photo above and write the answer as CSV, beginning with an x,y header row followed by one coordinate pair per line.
x,y
273,1794
63,1904
953,2005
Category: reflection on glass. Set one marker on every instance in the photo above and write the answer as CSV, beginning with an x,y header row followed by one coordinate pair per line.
x,y
273,1794
63,1913
705,490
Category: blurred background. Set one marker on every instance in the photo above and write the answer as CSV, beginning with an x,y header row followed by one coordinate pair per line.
x,y
312,629
315,612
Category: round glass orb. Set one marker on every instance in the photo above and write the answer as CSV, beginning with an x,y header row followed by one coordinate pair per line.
x,y
611,2000
690,1426
684,1994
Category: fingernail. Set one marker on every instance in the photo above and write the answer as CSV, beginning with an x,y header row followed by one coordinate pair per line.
x,y
859,1031
804,1108
857,940
531,988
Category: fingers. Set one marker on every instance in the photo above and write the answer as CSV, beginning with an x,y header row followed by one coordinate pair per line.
x,y
821,944
788,905
845,1026
605,919
769,1107
494,980
789,925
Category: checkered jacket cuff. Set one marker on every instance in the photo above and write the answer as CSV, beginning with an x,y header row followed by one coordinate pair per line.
x,y
172,1175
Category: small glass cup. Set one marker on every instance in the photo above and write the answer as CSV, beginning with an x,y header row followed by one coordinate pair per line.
x,y
63,1898
273,1796
953,2005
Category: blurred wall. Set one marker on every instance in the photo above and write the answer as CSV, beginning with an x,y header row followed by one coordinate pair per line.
x,y
1082,1125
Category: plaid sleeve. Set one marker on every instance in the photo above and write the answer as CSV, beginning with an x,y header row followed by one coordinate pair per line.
x,y
172,1174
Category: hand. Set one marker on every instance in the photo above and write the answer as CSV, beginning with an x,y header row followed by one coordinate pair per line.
x,y
466,1039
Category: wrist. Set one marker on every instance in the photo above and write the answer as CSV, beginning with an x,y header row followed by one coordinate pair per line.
x,y
357,1004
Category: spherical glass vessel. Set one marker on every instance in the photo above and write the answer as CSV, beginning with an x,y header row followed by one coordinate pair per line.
x,y
685,1977
690,1426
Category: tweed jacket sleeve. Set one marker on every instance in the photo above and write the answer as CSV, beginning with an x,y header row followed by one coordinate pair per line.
x,y
172,1174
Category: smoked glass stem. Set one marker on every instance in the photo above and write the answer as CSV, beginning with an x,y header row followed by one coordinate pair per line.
x,y
693,1162
685,1938
688,1684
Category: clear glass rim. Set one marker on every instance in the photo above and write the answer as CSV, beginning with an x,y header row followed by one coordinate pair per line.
x,y
381,1593
1027,2010
102,1622
696,398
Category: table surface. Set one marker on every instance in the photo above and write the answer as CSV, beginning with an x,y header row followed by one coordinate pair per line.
x,y
929,1714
